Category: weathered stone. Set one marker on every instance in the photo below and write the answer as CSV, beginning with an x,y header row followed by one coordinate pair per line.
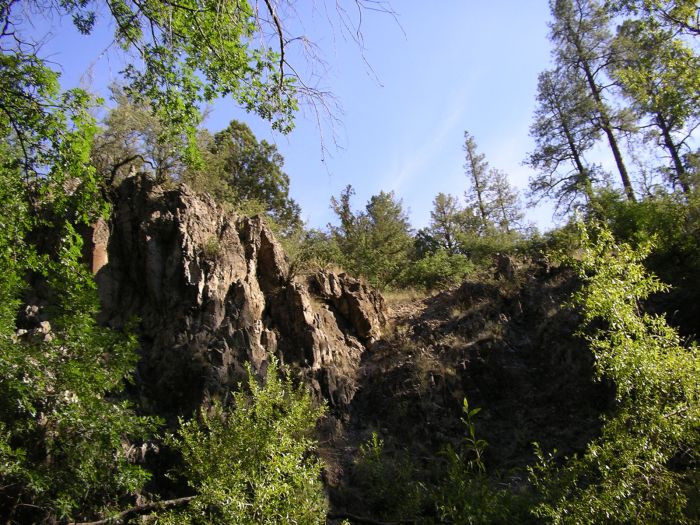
x,y
363,307
505,267
40,333
212,291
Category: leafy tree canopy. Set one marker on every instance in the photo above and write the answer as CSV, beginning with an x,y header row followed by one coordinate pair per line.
x,y
375,242
253,171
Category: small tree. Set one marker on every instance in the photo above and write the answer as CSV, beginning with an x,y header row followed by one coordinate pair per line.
x,y
507,211
375,243
447,220
253,172
133,138
476,169
490,195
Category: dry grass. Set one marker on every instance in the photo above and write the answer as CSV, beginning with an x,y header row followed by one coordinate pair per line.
x,y
403,296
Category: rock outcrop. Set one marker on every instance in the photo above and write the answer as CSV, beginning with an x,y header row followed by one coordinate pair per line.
x,y
211,291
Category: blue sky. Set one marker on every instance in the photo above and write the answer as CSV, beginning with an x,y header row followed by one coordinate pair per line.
x,y
442,68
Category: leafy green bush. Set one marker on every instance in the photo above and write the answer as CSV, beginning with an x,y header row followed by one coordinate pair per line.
x,y
64,432
211,249
310,250
388,482
481,248
626,475
253,463
438,269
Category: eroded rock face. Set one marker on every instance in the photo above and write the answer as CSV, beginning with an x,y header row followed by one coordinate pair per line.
x,y
211,292
356,302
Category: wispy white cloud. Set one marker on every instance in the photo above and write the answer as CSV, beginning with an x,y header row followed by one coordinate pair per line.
x,y
416,160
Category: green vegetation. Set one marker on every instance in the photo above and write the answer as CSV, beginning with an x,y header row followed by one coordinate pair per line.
x,y
378,243
252,463
402,498
65,431
68,431
235,169
625,73
625,475
467,495
375,243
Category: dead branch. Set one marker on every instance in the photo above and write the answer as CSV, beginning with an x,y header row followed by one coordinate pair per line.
x,y
139,509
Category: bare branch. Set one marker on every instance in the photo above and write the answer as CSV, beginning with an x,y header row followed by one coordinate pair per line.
x,y
280,36
139,509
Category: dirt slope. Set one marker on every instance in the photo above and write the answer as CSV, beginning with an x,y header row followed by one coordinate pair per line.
x,y
508,346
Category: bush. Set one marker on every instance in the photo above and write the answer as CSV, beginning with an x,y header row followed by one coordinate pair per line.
x,y
310,251
253,463
468,496
438,269
388,482
627,475
481,249
64,431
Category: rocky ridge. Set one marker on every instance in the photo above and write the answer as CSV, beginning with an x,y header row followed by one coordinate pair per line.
x,y
212,291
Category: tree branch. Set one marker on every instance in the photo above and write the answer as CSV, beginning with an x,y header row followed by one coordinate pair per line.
x,y
139,509
280,35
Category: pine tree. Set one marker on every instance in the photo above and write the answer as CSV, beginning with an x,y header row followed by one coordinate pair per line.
x,y
581,37
447,220
376,242
493,199
253,172
659,73
476,169
507,211
563,133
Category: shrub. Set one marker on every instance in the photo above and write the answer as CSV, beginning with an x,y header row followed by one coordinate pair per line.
x,y
388,481
480,249
211,249
468,496
253,463
64,430
309,251
438,269
626,475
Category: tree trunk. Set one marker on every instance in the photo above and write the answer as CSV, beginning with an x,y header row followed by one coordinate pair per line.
x,y
602,112
607,129
584,179
673,151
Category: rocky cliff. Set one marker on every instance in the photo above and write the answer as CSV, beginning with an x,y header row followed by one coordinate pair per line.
x,y
211,291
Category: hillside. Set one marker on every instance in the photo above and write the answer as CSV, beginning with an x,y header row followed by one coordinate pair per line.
x,y
409,408
212,292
